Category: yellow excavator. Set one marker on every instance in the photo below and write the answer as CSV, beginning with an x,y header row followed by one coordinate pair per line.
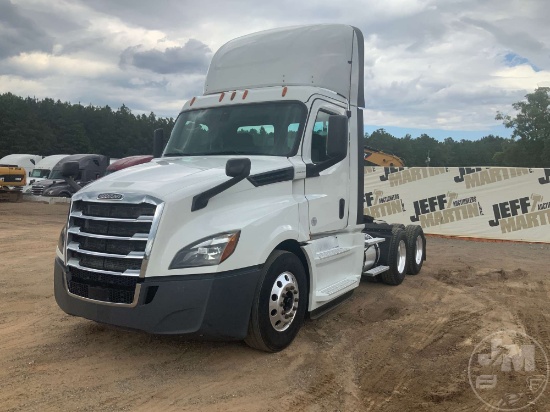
x,y
12,180
379,158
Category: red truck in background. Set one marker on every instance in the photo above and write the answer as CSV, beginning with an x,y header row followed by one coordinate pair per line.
x,y
127,162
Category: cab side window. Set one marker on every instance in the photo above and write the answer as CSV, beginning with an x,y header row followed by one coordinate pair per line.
x,y
319,138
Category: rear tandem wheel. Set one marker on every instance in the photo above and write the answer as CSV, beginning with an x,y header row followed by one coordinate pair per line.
x,y
396,258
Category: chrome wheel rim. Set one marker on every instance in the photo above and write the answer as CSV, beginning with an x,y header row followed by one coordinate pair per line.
x,y
419,250
401,256
283,301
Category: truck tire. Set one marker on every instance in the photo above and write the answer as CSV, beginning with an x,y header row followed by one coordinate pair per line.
x,y
279,305
416,248
396,258
395,226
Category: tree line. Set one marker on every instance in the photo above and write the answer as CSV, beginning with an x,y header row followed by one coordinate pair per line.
x,y
45,127
529,145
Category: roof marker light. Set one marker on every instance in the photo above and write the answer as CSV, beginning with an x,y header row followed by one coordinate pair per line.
x,y
285,89
233,95
245,94
192,101
221,96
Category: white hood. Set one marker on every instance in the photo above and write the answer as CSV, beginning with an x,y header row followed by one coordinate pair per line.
x,y
167,177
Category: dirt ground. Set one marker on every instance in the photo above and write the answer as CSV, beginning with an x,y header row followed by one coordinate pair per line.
x,y
402,348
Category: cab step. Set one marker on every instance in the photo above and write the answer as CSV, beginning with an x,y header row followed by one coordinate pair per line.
x,y
375,271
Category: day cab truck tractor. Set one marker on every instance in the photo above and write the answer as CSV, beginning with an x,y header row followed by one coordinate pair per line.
x,y
89,167
252,218
42,170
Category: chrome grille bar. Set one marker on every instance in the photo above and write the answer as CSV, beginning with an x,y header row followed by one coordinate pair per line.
x,y
75,247
108,244
75,230
140,219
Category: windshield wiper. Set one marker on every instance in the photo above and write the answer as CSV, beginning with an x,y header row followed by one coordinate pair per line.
x,y
224,152
230,152
175,154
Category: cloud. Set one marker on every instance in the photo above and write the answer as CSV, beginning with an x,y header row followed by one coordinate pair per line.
x,y
193,57
428,63
20,34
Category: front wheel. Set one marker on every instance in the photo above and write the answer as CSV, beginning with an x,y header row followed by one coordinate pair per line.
x,y
279,305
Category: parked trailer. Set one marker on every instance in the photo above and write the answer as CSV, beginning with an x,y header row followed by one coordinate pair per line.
x,y
253,215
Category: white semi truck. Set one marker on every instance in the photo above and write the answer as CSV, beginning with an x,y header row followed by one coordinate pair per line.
x,y
251,217
42,170
27,161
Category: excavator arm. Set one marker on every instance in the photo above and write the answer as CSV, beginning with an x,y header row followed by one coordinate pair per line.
x,y
380,158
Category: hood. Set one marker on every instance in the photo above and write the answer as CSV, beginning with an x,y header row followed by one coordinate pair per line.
x,y
166,177
46,182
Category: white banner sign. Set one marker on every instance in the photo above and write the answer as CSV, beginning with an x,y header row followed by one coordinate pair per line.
x,y
482,202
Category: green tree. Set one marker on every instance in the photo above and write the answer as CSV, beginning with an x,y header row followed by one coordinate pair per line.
x,y
45,127
531,126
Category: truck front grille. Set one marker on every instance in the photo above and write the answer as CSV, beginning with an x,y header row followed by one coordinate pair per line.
x,y
106,244
37,190
117,289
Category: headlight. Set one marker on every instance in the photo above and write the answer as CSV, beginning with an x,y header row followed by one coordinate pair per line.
x,y
206,252
61,241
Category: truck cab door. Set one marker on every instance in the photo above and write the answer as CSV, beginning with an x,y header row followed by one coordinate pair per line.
x,y
328,193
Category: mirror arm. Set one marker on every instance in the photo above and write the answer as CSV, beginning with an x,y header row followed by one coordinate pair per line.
x,y
71,182
313,169
200,201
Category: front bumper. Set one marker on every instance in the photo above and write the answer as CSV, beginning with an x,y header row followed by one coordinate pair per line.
x,y
214,306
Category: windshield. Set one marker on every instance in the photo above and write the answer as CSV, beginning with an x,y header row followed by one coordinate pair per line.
x,y
271,129
55,174
40,173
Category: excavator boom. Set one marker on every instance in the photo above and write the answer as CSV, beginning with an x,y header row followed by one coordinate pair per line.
x,y
380,158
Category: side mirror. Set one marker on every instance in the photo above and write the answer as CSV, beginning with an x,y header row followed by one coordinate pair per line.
x,y
337,138
158,142
69,169
237,168
337,145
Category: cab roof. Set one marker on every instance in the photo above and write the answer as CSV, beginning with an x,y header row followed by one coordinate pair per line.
x,y
329,56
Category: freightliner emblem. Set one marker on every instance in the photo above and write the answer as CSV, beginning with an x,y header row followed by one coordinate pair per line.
x,y
110,196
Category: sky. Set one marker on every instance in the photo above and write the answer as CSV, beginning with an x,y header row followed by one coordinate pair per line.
x,y
441,67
